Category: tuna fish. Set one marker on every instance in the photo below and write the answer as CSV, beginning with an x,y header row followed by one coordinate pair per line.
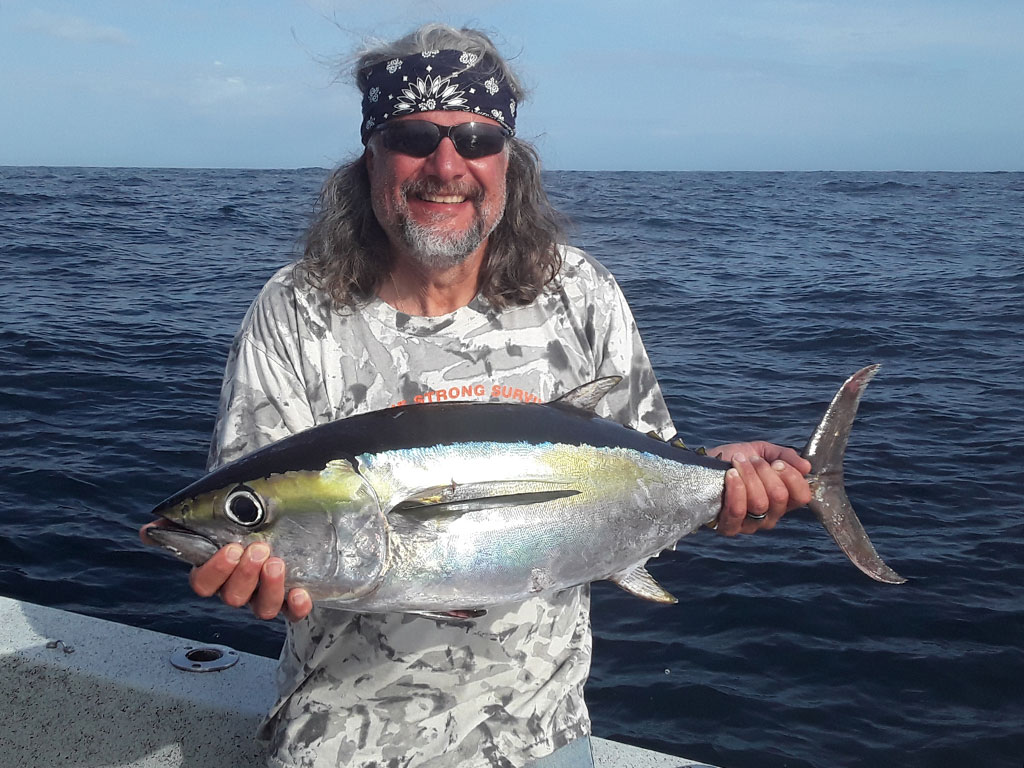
x,y
454,507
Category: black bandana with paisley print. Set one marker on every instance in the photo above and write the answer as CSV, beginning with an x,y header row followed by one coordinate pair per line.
x,y
434,80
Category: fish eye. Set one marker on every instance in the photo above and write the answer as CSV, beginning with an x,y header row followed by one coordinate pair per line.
x,y
244,506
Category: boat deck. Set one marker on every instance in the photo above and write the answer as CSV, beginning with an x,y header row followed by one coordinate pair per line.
x,y
80,691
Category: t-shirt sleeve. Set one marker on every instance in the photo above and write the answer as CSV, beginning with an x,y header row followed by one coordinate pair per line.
x,y
637,401
263,397
619,351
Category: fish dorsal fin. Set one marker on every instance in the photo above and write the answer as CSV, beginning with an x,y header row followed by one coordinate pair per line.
x,y
586,396
637,581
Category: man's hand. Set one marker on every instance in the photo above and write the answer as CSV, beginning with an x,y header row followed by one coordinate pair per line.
x,y
765,479
248,576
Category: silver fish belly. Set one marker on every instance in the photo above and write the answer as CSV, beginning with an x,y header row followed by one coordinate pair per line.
x,y
628,507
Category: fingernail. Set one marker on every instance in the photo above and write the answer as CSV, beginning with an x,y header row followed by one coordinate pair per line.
x,y
234,553
779,466
274,569
732,472
739,457
259,552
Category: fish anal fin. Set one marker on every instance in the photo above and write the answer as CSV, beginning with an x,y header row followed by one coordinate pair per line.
x,y
586,396
637,581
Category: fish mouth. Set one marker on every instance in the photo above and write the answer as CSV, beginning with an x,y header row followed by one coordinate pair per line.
x,y
182,542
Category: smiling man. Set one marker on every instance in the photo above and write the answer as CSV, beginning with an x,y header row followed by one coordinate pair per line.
x,y
438,209
436,269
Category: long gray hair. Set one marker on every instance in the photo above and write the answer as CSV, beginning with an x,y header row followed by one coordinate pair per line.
x,y
346,251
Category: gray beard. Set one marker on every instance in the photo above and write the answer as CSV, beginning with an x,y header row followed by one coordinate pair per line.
x,y
439,251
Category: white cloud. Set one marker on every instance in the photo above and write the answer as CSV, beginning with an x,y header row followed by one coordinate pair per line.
x,y
78,29
211,90
877,27
222,90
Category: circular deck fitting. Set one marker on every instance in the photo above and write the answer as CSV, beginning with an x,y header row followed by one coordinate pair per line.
x,y
204,658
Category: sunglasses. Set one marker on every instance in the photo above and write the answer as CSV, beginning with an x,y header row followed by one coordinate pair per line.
x,y
419,138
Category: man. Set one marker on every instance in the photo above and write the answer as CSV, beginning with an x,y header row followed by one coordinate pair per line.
x,y
436,270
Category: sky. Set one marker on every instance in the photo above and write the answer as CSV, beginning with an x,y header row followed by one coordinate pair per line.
x,y
614,85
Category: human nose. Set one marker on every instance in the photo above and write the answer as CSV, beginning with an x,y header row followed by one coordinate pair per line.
x,y
445,162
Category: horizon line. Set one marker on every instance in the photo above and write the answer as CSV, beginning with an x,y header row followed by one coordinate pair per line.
x,y
543,170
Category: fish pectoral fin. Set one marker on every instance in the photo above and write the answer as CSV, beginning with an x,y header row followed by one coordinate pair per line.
x,y
456,499
464,615
637,581
586,396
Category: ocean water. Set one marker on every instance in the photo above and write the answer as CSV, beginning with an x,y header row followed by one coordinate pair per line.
x,y
756,293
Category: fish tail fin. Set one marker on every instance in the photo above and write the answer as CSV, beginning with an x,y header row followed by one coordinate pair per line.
x,y
829,502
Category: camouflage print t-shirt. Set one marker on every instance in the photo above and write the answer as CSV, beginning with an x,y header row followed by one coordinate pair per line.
x,y
395,689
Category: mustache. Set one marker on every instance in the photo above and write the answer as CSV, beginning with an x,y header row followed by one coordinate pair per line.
x,y
418,188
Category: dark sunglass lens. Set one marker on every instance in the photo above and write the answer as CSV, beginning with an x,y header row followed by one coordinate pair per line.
x,y
473,140
419,138
415,138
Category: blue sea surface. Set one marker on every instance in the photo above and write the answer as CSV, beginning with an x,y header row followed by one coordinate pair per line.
x,y
756,293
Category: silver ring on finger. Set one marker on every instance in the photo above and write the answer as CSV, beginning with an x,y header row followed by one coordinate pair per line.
x,y
752,516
